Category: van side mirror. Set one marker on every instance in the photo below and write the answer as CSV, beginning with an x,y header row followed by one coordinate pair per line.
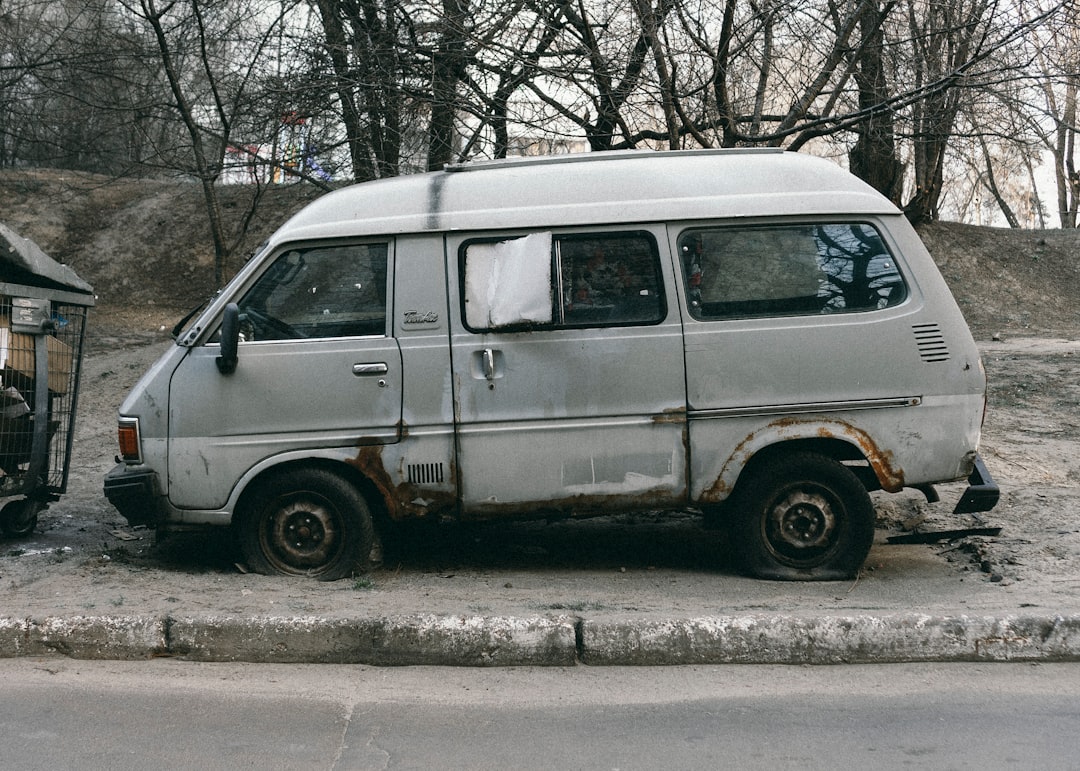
x,y
230,340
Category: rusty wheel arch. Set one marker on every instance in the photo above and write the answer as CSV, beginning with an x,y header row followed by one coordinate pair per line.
x,y
836,449
346,471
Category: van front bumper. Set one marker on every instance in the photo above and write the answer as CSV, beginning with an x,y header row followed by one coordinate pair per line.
x,y
136,494
982,493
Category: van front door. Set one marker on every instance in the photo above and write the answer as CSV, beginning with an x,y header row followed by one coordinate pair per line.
x,y
317,369
568,374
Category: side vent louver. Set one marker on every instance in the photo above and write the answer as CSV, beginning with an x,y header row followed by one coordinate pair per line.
x,y
931,342
425,473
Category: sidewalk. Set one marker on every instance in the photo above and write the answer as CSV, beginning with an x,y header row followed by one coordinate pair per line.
x,y
505,597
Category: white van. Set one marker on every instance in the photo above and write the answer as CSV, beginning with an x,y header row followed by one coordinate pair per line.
x,y
753,334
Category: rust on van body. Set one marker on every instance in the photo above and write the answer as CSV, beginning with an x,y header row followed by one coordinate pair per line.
x,y
672,417
882,462
405,500
583,506
410,501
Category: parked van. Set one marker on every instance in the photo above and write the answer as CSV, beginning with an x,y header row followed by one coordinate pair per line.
x,y
753,334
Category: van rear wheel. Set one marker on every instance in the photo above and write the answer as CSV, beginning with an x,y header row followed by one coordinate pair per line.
x,y
308,522
802,517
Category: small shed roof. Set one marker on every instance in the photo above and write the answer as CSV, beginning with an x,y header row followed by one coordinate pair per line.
x,y
24,262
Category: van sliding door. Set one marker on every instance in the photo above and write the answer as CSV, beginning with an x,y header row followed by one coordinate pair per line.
x,y
568,373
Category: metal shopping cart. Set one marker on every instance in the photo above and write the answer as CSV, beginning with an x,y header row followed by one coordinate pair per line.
x,y
43,308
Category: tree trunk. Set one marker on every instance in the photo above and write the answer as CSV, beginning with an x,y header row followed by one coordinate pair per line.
x,y
873,158
945,37
725,110
208,171
1068,182
991,185
448,70
337,48
651,20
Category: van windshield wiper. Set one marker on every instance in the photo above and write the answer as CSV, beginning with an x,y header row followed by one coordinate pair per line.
x,y
176,330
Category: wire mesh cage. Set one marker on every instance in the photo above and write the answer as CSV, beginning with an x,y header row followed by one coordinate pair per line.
x,y
43,306
25,404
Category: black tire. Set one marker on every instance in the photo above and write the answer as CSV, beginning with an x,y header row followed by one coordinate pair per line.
x,y
802,517
306,522
19,518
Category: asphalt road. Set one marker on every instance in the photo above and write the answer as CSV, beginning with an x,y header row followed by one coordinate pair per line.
x,y
61,714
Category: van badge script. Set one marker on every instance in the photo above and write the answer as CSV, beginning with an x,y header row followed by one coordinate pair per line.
x,y
417,317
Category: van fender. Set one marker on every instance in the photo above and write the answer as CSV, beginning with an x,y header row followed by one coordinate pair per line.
x,y
340,456
819,434
399,500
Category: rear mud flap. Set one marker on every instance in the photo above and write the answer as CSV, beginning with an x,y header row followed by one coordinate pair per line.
x,y
982,493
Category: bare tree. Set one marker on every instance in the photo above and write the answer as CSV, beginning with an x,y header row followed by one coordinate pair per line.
x,y
200,44
916,92
1057,58
517,61
74,82
371,47
449,59
945,36
651,21
613,55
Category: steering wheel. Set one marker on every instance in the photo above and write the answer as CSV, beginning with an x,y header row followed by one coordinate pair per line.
x,y
258,326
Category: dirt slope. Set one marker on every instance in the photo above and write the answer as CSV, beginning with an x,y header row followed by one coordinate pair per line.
x,y
139,243
1010,282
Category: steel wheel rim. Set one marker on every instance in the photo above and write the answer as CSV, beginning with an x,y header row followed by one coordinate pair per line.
x,y
802,525
302,533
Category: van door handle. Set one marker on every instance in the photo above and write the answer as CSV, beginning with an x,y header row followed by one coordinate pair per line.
x,y
489,364
370,368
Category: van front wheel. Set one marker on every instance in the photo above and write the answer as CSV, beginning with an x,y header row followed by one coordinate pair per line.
x,y
308,522
802,517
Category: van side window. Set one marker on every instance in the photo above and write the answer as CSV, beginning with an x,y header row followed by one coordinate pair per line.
x,y
323,291
558,281
508,283
788,270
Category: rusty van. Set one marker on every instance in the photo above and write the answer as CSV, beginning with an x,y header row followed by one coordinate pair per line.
x,y
756,335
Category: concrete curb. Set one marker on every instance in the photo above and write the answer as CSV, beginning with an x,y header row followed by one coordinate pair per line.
x,y
550,641
83,637
474,641
832,640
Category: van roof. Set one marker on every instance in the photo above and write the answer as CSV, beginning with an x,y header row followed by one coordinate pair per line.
x,y
590,189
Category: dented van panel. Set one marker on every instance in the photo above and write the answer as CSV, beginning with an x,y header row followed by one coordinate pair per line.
x,y
567,337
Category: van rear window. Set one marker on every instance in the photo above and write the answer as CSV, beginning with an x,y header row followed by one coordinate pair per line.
x,y
788,270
